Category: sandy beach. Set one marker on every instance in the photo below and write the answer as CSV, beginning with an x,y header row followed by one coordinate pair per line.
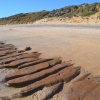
x,y
77,42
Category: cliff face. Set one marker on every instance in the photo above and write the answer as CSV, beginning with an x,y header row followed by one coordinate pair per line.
x,y
83,11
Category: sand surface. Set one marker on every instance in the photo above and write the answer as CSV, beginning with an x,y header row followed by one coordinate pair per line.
x,y
77,42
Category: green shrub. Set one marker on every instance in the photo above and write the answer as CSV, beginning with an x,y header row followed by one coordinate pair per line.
x,y
68,11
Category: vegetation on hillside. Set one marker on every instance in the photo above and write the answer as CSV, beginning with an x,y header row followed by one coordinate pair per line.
x,y
68,11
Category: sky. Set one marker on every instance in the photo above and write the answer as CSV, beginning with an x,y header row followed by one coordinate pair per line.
x,y
11,7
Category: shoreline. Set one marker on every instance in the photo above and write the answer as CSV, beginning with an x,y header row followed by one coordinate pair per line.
x,y
70,41
53,23
79,43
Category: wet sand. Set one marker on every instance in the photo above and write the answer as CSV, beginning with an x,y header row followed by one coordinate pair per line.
x,y
77,42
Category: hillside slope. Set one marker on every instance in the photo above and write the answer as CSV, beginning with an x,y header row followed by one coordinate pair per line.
x,y
81,13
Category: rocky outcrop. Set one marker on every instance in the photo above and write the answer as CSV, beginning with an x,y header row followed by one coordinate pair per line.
x,y
34,63
87,88
27,55
5,52
26,49
19,62
5,98
43,78
37,76
47,92
64,75
33,69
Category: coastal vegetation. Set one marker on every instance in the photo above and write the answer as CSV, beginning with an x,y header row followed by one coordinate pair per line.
x,y
83,10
